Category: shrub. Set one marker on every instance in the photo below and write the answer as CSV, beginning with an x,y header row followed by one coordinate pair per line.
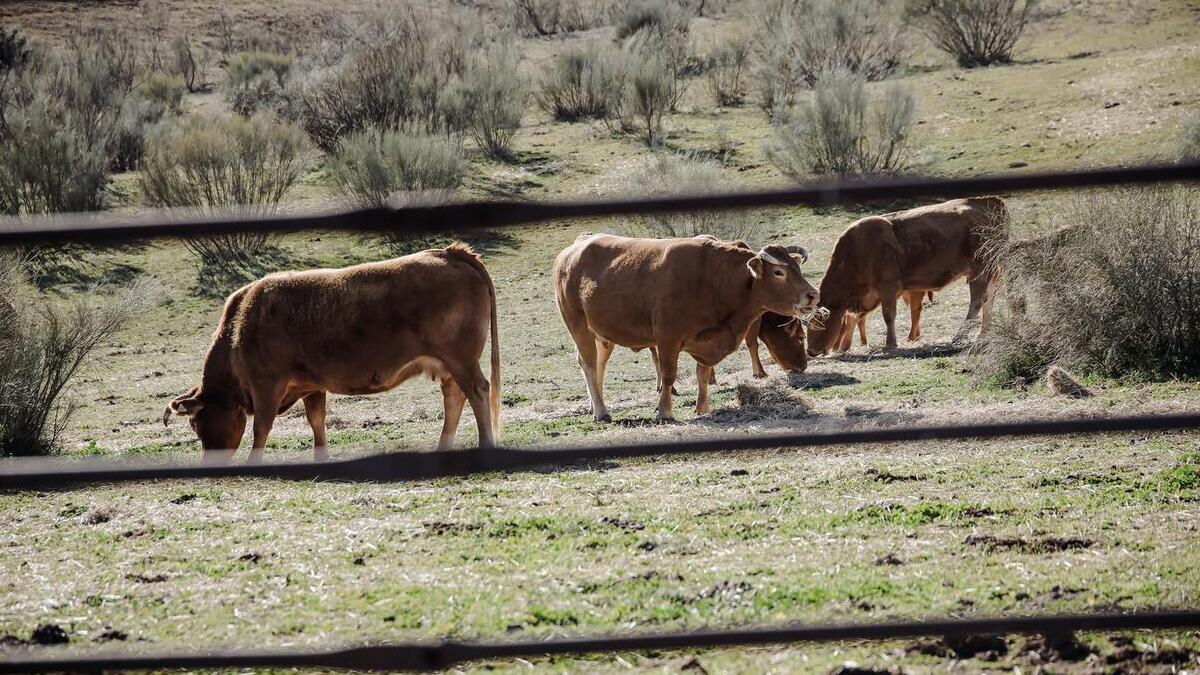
x,y
1114,292
670,52
43,352
491,99
800,40
1189,142
838,130
648,97
14,49
974,32
370,167
726,69
662,17
549,17
664,173
207,163
398,83
255,80
158,96
191,64
585,81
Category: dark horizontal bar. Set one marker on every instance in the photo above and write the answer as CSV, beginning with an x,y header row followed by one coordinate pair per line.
x,y
442,655
29,474
93,228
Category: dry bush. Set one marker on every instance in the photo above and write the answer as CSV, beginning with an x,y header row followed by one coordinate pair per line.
x,y
43,349
800,40
490,100
671,55
648,93
838,129
665,173
370,167
14,49
663,17
974,32
585,81
1115,292
397,81
255,81
550,17
191,63
204,163
1189,140
726,70
157,97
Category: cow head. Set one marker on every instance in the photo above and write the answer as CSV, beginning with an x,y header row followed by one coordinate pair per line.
x,y
827,330
779,283
784,338
219,424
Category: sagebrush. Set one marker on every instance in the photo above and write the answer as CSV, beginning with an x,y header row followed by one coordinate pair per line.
x,y
666,173
370,168
549,17
204,162
491,99
255,81
1114,291
726,69
974,32
841,129
586,80
799,41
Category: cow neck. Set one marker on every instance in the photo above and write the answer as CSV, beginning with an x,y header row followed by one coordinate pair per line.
x,y
219,383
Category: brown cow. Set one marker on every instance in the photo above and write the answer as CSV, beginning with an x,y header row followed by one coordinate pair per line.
x,y
924,249
698,296
359,330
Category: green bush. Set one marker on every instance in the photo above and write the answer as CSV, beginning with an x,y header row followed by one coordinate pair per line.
x,y
491,99
584,81
648,97
370,167
726,70
665,173
157,97
800,40
974,32
205,163
839,130
397,82
255,81
1112,292
42,348
662,17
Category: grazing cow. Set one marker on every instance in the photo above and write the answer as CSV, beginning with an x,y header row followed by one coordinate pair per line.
x,y
698,296
359,330
924,249
784,338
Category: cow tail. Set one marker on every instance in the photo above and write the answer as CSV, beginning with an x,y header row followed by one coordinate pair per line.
x,y
494,390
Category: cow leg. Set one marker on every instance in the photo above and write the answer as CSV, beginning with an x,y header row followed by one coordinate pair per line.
x,y
846,333
585,356
604,351
658,372
266,407
314,410
914,299
862,329
453,400
703,375
889,317
472,382
668,359
756,367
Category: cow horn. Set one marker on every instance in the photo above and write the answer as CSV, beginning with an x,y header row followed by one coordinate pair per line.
x,y
770,258
798,250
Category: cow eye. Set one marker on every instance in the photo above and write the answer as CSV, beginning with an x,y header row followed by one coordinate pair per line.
x,y
780,273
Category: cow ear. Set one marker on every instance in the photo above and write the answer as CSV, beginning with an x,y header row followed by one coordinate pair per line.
x,y
184,406
755,265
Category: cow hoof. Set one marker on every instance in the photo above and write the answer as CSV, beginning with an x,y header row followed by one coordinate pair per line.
x,y
674,391
760,375
702,411
604,418
661,419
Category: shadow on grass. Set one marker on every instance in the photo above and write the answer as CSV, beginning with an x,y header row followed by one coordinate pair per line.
x,y
920,352
75,267
216,279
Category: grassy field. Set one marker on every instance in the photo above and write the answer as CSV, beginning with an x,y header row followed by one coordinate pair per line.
x,y
849,534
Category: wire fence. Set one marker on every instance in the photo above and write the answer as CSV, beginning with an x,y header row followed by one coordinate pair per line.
x,y
402,466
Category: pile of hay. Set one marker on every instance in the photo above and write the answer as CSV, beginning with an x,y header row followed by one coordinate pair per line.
x,y
775,398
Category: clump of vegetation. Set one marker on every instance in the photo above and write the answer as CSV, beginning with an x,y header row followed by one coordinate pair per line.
x,y
665,173
206,163
648,97
662,17
1189,141
255,80
42,347
398,81
191,64
550,17
369,167
838,129
585,81
1114,292
157,97
492,98
974,32
14,49
801,40
726,70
